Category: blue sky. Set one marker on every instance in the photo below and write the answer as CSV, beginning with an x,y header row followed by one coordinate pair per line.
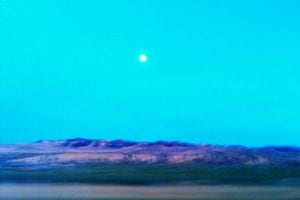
x,y
223,72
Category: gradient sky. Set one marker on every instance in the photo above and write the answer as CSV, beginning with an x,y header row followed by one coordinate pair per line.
x,y
225,72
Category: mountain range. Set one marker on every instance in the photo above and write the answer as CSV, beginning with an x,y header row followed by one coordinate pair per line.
x,y
45,153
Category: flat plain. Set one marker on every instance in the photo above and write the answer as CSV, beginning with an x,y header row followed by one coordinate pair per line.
x,y
170,192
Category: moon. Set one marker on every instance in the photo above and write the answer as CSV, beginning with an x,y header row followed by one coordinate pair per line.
x,y
143,58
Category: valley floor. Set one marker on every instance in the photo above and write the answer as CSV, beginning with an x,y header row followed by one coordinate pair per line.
x,y
182,192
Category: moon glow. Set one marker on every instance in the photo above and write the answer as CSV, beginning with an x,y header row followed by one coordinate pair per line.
x,y
143,58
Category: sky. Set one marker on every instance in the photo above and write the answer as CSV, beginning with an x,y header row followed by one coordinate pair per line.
x,y
218,72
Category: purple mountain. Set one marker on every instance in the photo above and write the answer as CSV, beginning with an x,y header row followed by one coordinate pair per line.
x,y
81,151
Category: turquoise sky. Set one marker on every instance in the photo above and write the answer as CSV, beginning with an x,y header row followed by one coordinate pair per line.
x,y
225,72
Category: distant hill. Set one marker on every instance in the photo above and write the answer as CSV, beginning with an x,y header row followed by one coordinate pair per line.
x,y
78,151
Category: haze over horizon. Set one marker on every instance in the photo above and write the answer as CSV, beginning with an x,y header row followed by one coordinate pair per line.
x,y
196,71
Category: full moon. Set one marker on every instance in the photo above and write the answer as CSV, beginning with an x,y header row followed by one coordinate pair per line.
x,y
143,58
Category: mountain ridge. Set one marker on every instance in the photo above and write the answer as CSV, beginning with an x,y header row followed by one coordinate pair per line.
x,y
79,151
